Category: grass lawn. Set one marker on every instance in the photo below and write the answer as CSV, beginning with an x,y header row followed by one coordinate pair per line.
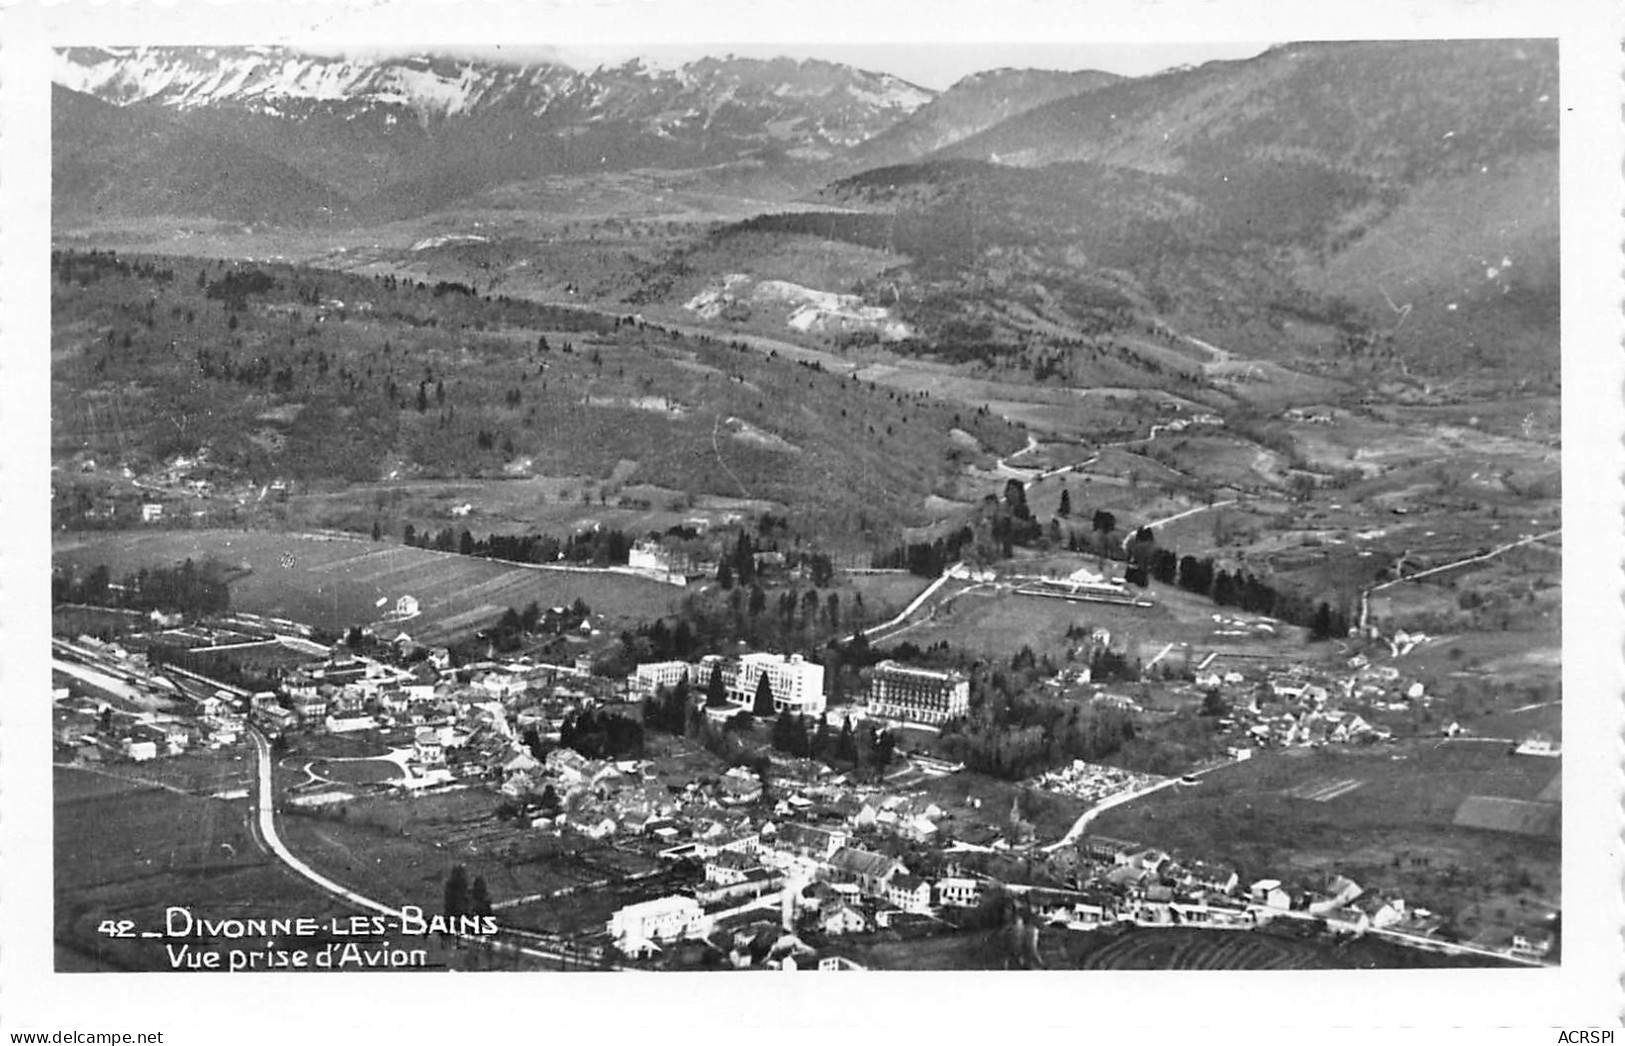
x,y
367,771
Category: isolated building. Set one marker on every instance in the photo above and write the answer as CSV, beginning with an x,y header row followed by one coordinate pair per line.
x,y
917,695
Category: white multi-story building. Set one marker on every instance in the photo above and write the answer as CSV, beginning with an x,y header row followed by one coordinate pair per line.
x,y
672,918
656,674
917,695
797,684
957,892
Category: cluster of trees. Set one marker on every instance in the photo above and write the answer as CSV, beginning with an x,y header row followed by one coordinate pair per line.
x,y
215,667
671,710
1028,737
1012,735
186,589
509,631
867,749
464,898
1245,592
602,547
602,735
87,267
235,286
925,558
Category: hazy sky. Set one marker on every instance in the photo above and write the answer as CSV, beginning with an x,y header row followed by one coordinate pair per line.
x,y
928,65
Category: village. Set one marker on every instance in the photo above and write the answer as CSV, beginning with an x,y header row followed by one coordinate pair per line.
x,y
775,850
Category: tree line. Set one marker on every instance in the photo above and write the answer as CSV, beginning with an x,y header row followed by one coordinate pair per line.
x,y
185,589
601,547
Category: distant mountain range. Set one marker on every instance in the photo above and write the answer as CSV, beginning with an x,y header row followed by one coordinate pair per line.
x,y
402,135
1374,197
1326,197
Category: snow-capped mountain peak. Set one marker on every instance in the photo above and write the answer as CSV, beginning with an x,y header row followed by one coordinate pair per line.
x,y
282,82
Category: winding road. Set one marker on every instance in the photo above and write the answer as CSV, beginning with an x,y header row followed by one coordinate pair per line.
x,y
265,819
1365,595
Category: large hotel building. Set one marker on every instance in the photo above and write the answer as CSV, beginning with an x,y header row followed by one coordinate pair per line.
x,y
917,695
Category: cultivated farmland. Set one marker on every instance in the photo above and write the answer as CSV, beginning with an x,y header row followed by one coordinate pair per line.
x,y
333,582
1185,949
1385,815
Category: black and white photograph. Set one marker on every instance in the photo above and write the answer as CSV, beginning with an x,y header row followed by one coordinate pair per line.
x,y
1028,511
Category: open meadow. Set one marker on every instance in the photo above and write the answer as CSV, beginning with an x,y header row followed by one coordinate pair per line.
x,y
1384,815
127,851
334,583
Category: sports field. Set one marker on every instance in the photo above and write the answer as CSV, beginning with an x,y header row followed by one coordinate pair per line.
x,y
334,582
